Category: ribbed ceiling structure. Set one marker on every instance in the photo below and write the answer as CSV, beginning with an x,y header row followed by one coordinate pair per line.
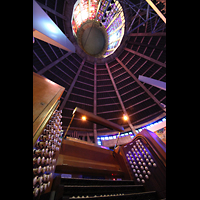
x,y
108,87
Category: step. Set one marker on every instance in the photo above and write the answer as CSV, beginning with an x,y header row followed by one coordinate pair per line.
x,y
91,190
83,181
151,195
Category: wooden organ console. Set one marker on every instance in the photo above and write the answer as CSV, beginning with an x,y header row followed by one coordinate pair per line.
x,y
142,160
140,163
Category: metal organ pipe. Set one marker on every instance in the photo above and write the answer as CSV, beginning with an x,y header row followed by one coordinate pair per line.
x,y
45,153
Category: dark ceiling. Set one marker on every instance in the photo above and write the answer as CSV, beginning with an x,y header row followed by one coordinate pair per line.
x,y
97,85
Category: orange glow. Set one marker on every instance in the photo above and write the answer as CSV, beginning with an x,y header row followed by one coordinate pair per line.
x,y
83,118
125,118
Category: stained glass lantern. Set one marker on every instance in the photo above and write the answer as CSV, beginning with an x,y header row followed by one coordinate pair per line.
x,y
98,26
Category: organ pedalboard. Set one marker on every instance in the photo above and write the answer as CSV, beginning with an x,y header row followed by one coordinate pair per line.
x,y
45,155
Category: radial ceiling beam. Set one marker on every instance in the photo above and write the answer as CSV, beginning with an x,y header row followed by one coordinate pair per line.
x,y
120,99
140,84
148,34
145,57
146,45
95,102
53,63
95,89
72,85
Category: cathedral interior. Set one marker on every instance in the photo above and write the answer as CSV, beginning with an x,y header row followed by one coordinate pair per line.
x,y
99,99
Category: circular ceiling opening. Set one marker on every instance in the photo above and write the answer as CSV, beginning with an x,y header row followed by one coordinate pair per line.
x,y
98,26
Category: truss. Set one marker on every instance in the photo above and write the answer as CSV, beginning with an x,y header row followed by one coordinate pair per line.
x,y
145,14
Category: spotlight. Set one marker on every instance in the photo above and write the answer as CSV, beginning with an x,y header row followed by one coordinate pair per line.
x,y
97,119
125,118
83,118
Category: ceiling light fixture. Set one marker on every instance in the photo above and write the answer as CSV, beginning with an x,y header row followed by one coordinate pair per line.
x,y
83,118
125,117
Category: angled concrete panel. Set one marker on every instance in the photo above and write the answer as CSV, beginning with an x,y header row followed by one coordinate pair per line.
x,y
45,29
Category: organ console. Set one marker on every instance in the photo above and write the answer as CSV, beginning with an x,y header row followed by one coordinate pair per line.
x,y
142,160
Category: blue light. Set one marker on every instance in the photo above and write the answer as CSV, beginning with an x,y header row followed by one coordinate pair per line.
x,y
163,119
110,137
148,127
51,27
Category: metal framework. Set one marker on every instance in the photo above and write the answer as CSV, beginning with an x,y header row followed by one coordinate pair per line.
x,y
156,10
142,8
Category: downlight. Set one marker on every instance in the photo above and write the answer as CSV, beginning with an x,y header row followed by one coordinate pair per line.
x,y
98,26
